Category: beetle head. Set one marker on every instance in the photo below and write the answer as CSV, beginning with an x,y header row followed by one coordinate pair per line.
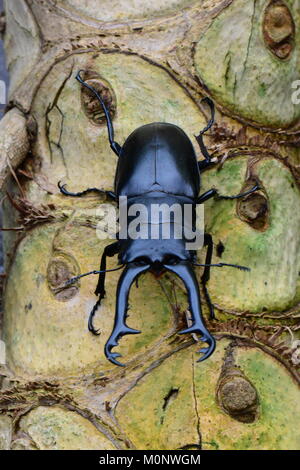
x,y
156,255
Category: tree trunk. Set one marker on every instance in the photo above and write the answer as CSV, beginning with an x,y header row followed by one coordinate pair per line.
x,y
152,61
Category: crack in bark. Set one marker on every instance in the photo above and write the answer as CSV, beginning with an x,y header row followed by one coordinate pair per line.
x,y
250,37
58,143
227,61
49,122
195,402
171,395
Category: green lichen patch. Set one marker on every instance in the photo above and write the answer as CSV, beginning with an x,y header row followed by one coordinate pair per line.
x,y
277,424
272,254
242,73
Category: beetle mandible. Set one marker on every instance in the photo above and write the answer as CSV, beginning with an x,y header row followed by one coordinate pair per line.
x,y
157,164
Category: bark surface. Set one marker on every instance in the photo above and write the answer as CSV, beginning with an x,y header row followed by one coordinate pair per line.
x,y
152,61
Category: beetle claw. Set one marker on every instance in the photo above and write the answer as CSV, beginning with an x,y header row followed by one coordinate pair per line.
x,y
91,317
114,341
92,329
112,358
62,187
191,329
206,338
207,351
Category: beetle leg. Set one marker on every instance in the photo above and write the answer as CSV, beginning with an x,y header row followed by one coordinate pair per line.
x,y
205,196
186,273
91,318
109,250
238,196
203,164
110,128
214,193
120,328
208,241
63,190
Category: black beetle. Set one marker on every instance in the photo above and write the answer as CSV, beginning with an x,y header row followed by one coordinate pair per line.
x,y
157,164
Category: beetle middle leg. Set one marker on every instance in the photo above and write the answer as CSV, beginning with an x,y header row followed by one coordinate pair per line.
x,y
214,193
65,192
109,250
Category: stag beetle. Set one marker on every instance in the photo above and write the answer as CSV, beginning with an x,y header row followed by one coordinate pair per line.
x,y
158,163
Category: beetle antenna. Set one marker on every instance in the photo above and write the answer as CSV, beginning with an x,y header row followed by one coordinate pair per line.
x,y
220,265
74,279
199,138
114,145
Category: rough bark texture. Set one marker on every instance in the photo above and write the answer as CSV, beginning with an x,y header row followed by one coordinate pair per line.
x,y
153,61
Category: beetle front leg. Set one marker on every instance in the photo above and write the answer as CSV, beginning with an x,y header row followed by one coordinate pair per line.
x,y
207,162
120,329
65,192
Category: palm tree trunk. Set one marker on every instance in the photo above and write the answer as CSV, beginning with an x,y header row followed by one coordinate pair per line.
x,y
151,61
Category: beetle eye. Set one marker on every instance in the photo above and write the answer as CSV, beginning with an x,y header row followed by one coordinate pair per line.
x,y
171,260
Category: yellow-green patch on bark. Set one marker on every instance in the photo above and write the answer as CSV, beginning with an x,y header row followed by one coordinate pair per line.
x,y
277,424
159,412
272,255
241,72
53,428
41,322
72,145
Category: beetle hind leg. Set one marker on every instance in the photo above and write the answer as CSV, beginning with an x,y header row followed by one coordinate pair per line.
x,y
91,318
206,274
110,250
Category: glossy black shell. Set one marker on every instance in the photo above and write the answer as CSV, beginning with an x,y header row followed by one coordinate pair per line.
x,y
157,157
